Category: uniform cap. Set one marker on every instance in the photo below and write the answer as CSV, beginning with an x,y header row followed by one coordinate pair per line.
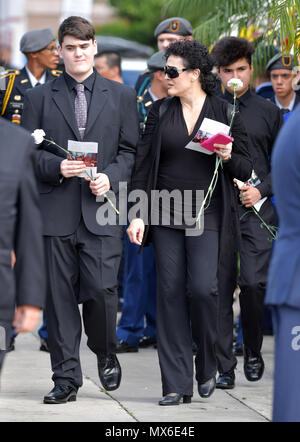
x,y
174,25
280,61
156,62
36,40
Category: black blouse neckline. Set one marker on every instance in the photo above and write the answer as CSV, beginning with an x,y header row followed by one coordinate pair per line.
x,y
200,118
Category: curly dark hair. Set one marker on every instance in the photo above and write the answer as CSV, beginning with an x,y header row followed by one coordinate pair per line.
x,y
195,56
228,50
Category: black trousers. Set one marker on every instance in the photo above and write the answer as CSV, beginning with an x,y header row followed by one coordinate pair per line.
x,y
255,258
82,268
186,306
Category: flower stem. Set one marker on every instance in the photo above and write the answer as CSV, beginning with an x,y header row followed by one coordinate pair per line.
x,y
105,195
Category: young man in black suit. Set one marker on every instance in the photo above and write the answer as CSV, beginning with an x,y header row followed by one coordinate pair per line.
x,y
23,289
262,119
82,254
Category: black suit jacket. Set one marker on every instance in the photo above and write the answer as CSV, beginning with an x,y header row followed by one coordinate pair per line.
x,y
20,223
112,122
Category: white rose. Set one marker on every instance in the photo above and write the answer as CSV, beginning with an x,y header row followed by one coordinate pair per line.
x,y
38,136
235,83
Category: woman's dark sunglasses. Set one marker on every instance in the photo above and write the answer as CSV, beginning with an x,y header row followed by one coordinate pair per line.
x,y
173,72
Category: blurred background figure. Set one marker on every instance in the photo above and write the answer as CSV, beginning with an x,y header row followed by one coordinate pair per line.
x,y
166,32
39,47
108,64
262,82
5,57
281,72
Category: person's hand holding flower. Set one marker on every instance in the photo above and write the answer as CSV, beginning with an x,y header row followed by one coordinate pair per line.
x,y
100,184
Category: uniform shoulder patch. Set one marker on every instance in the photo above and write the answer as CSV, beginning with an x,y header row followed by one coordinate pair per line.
x,y
9,72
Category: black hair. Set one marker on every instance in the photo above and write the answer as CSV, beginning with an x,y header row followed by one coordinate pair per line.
x,y
77,27
195,56
112,59
228,50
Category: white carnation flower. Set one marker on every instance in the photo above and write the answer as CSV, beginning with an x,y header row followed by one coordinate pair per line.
x,y
235,83
38,136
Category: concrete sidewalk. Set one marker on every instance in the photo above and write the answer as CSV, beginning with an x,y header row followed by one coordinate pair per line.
x,y
26,378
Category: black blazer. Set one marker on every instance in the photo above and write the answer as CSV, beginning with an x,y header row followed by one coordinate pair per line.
x,y
20,222
240,166
112,122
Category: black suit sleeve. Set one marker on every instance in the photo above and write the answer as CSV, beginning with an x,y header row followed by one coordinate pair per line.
x,y
240,165
29,268
265,187
47,163
120,169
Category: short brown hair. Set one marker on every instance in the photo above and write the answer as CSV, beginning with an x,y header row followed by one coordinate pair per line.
x,y
77,27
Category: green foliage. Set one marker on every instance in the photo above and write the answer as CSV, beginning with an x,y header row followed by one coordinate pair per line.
x,y
277,20
137,20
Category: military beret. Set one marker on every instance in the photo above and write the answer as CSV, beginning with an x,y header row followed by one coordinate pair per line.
x,y
36,40
280,61
174,25
156,62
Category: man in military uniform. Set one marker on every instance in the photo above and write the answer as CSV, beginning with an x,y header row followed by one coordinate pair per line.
x,y
137,325
166,32
39,47
282,77
158,87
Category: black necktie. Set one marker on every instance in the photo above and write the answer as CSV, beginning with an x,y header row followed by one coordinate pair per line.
x,y
37,84
80,109
284,111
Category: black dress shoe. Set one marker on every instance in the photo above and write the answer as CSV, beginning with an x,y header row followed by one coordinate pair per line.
x,y
110,372
205,390
61,394
176,399
145,342
44,345
124,347
253,365
226,380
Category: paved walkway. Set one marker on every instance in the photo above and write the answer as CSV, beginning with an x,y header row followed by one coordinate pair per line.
x,y
26,378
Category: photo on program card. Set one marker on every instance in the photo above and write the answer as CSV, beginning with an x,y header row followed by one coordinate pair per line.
x,y
86,152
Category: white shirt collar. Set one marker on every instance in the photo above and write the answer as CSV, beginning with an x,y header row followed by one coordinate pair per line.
x,y
290,106
32,78
154,97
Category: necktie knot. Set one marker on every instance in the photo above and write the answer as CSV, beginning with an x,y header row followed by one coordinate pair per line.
x,y
79,88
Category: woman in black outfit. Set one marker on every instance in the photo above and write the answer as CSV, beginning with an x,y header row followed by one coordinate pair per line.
x,y
188,267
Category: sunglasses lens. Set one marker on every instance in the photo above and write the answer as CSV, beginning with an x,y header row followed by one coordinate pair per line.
x,y
171,72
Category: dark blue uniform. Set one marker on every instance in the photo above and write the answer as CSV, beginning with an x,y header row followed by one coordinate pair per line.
x,y
13,92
